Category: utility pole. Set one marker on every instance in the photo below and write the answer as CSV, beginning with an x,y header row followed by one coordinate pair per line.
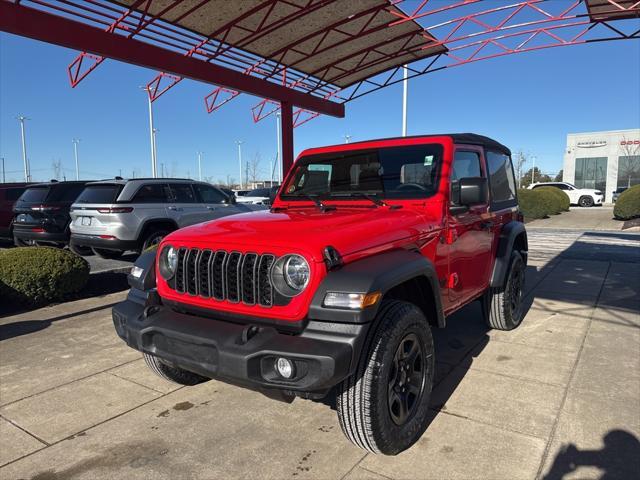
x,y
405,84
161,170
152,136
27,168
4,179
200,166
75,142
239,143
278,161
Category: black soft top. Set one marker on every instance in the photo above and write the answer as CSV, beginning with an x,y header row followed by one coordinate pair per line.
x,y
464,138
475,139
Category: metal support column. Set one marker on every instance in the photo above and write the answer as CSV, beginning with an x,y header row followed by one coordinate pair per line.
x,y
287,137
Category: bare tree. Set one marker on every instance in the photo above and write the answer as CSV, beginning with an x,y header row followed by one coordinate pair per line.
x,y
253,168
520,160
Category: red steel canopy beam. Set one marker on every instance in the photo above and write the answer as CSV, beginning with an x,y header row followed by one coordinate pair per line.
x,y
39,25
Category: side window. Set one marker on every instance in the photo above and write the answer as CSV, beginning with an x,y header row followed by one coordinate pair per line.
x,y
561,186
502,182
209,194
152,193
465,164
182,193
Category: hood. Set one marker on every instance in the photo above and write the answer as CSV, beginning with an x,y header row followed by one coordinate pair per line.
x,y
309,230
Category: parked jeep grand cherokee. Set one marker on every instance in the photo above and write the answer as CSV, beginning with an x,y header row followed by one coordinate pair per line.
x,y
118,215
367,247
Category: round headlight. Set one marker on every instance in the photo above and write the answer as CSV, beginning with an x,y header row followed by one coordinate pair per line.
x,y
296,272
168,262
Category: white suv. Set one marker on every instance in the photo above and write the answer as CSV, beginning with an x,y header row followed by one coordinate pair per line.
x,y
585,197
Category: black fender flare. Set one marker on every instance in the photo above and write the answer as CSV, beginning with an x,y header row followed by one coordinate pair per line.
x,y
378,273
506,240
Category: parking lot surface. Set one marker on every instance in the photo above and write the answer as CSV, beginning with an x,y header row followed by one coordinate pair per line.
x,y
557,398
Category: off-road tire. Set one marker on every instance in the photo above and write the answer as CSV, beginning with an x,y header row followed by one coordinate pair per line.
x,y
363,398
108,254
503,311
173,374
153,237
586,201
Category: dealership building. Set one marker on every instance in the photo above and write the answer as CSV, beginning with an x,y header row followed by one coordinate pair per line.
x,y
603,160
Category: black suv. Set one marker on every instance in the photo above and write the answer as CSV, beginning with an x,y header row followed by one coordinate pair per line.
x,y
41,214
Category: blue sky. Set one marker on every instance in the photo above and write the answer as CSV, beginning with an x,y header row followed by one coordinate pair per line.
x,y
528,101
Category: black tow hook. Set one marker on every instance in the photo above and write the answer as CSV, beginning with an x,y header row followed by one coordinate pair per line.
x,y
248,333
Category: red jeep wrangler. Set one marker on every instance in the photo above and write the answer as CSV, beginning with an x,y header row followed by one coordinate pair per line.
x,y
366,248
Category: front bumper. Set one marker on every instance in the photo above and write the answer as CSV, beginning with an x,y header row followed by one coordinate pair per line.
x,y
241,354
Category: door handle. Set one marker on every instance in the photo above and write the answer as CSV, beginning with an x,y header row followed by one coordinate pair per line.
x,y
211,208
175,209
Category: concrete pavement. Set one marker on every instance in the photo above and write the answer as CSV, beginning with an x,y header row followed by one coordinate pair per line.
x,y
557,398
589,219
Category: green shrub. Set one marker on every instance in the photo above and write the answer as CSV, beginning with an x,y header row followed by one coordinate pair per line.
x,y
628,204
532,203
37,275
556,200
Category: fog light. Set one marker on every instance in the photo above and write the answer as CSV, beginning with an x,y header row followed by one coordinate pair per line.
x,y
285,367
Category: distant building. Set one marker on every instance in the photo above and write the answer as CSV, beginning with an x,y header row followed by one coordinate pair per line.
x,y
603,160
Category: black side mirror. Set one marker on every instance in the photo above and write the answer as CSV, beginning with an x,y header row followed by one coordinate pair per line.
x,y
468,191
473,191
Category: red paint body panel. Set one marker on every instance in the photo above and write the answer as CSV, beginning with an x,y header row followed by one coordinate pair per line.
x,y
461,252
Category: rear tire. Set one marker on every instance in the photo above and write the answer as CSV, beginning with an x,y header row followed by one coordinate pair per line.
x,y
173,374
154,237
108,254
585,201
503,306
383,406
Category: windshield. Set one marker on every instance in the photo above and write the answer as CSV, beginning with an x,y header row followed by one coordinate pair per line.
x,y
393,173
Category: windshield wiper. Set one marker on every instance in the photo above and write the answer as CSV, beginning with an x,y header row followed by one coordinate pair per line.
x,y
316,199
376,201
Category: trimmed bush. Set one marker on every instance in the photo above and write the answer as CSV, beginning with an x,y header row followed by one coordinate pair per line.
x,y
628,204
532,203
557,201
38,275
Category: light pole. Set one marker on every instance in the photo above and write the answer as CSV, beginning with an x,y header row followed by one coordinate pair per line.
x,y
405,84
152,136
200,166
239,143
27,168
75,142
278,149
347,138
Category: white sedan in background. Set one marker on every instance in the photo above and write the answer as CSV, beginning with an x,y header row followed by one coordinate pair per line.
x,y
585,197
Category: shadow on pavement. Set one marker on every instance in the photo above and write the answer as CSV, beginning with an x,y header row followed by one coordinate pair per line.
x,y
618,459
16,329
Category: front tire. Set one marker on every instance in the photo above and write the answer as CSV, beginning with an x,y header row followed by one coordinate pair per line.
x,y
503,306
586,201
383,407
173,374
153,238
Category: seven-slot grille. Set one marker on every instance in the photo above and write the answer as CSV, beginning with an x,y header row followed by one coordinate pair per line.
x,y
223,275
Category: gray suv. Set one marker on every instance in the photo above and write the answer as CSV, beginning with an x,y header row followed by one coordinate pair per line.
x,y
114,216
